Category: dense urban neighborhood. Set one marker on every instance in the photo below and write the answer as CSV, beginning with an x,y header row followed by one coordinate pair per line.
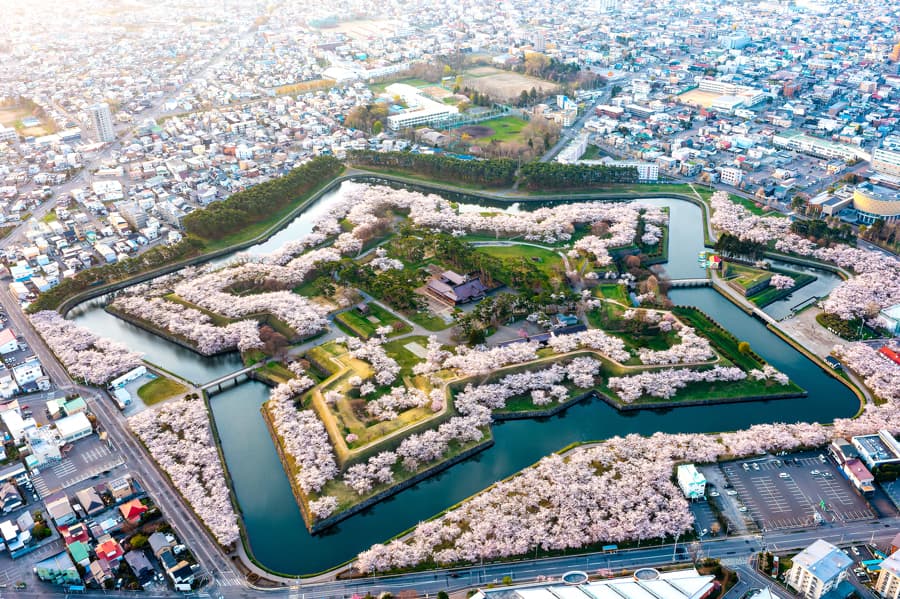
x,y
513,300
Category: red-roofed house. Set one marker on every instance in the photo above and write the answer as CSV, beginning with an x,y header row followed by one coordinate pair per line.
x,y
132,510
109,549
75,532
889,354
860,476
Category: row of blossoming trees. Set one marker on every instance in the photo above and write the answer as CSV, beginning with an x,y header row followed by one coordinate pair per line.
x,y
875,283
363,206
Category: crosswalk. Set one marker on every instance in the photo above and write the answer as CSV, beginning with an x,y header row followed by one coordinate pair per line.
x,y
40,486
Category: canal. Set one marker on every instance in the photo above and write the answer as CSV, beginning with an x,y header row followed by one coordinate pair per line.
x,y
274,525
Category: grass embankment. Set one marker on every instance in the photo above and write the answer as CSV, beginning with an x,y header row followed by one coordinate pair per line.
x,y
745,277
428,180
160,389
771,294
364,325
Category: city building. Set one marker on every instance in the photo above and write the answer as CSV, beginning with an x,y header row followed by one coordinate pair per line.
x,y
876,202
421,110
886,161
887,585
815,146
818,569
857,473
690,481
74,427
889,319
102,122
731,176
643,584
57,569
878,449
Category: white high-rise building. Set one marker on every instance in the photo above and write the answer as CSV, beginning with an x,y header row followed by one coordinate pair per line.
x,y
101,118
818,569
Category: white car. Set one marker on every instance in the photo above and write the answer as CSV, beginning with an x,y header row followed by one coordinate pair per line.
x,y
784,475
743,508
713,493
732,493
815,472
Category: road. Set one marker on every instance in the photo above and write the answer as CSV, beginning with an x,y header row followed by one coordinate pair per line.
x,y
137,460
567,134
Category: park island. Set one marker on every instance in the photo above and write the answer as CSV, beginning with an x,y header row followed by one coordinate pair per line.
x,y
399,330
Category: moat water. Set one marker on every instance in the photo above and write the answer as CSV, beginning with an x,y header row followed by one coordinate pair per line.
x,y
275,529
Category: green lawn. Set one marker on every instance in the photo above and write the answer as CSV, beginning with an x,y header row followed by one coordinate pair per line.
x,y
405,358
429,321
754,207
771,294
593,153
506,128
378,88
548,262
745,276
160,389
722,341
362,326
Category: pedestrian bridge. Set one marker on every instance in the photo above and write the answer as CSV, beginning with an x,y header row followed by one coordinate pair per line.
x,y
677,283
230,380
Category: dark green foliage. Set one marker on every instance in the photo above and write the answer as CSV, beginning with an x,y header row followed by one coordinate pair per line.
x,y
553,175
258,203
495,173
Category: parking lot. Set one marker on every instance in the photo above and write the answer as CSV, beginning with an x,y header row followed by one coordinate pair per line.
x,y
790,491
89,457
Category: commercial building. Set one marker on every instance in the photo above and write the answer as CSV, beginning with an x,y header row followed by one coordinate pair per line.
x,y
8,341
74,427
877,450
690,481
421,110
748,96
889,318
731,176
102,121
815,146
645,583
818,569
886,161
888,583
57,569
876,202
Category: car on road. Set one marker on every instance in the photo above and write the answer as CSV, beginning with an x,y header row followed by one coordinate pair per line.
x,y
732,493
713,493
743,508
815,472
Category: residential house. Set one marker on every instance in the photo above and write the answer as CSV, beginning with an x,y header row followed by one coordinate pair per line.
x,y
90,501
60,511
57,569
141,566
120,488
178,570
74,532
99,572
80,552
132,510
9,498
8,342
108,548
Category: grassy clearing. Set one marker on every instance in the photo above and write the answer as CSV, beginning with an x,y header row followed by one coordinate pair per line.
x,y
363,326
160,389
506,128
745,276
548,262
429,321
379,88
593,153
405,358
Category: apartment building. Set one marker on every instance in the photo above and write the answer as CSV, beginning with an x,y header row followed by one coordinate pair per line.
x,y
818,569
